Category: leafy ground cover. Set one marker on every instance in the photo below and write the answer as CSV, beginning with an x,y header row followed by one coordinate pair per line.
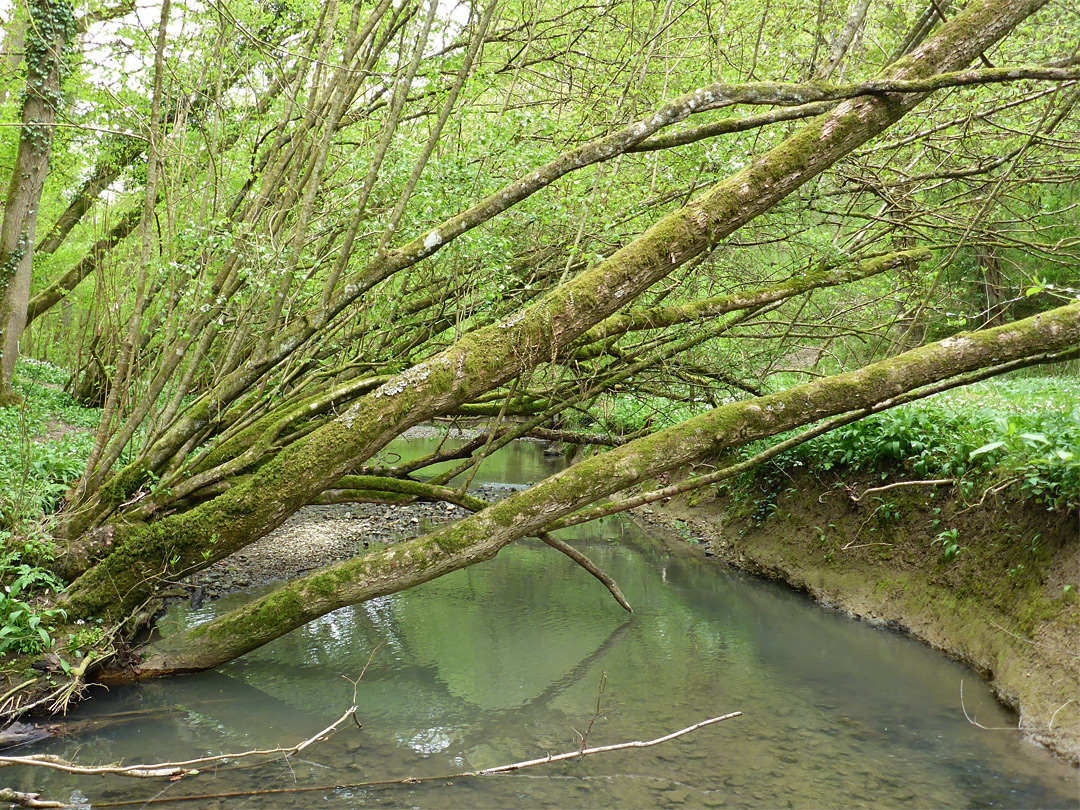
x,y
44,445
989,436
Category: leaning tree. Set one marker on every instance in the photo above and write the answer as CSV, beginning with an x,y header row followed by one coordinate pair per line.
x,y
344,221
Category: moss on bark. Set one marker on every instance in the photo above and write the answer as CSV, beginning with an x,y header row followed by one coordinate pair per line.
x,y
483,360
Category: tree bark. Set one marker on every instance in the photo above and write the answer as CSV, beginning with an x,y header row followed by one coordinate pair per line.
x,y
52,25
659,317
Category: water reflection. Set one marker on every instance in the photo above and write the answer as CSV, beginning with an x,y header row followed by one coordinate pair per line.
x,y
502,662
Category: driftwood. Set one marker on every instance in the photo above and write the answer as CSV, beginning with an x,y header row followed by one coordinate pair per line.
x,y
17,734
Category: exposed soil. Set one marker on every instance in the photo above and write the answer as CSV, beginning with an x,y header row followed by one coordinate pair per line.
x,y
1005,603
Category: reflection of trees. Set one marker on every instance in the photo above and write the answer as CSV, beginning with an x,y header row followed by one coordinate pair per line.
x,y
501,635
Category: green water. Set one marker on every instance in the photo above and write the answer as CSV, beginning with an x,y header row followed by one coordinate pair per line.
x,y
503,661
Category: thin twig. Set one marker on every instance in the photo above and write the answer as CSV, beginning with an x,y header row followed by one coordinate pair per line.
x,y
602,749
588,565
596,714
975,722
169,769
360,677
1035,643
1050,725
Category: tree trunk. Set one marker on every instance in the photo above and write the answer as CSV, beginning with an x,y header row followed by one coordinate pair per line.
x,y
479,537
11,52
52,24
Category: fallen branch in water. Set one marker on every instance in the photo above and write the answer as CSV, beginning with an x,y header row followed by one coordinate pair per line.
x,y
601,749
166,769
26,799
588,565
975,722
416,780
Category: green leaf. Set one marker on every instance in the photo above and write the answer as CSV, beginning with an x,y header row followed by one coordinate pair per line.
x,y
986,448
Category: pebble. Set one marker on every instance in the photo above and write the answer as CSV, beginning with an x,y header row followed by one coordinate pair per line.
x,y
319,535
676,795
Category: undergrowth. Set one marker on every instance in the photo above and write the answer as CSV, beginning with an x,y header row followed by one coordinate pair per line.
x,y
1008,435
44,444
991,436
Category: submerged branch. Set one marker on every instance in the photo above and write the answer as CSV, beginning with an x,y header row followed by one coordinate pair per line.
x,y
167,769
578,753
601,749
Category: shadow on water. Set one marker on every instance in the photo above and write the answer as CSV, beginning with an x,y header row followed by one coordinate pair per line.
x,y
502,662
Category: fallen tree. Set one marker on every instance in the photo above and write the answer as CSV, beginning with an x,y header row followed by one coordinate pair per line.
x,y
480,537
271,431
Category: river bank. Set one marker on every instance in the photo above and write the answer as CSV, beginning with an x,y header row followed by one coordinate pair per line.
x,y
991,586
1000,600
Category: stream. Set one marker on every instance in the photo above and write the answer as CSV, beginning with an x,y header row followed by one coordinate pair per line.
x,y
504,661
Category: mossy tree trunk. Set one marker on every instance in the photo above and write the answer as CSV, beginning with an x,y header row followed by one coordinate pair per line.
x,y
117,567
52,24
528,512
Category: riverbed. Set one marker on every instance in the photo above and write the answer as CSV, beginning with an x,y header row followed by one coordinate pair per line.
x,y
508,660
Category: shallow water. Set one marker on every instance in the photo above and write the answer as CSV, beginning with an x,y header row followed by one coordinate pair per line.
x,y
503,662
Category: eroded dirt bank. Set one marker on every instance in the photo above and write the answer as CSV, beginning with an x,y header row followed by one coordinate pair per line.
x,y
994,586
